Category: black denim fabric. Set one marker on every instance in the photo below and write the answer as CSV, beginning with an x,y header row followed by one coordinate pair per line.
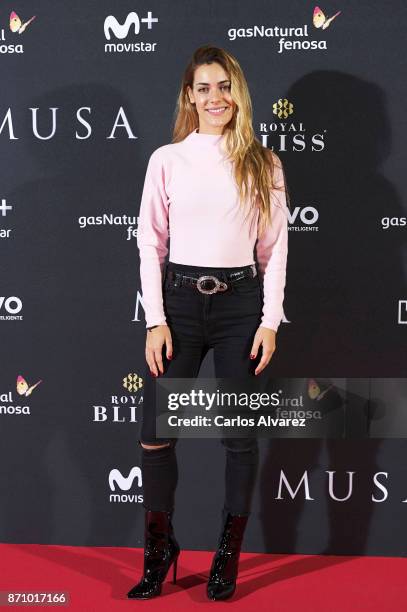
x,y
225,322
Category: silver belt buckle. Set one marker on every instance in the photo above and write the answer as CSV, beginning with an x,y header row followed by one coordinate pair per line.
x,y
219,285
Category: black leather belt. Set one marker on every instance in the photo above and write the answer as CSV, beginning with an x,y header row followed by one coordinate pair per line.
x,y
208,283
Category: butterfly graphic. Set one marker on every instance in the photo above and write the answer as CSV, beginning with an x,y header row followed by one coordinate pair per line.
x,y
23,388
320,21
314,390
16,25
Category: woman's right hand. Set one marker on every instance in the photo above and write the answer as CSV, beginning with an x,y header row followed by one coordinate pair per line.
x,y
156,338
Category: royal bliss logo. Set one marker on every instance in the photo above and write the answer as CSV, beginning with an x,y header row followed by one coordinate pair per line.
x,y
282,135
122,408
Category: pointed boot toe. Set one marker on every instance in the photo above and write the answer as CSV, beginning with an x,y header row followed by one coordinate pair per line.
x,y
144,590
218,590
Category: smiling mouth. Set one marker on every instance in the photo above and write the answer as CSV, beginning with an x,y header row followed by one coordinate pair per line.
x,y
217,111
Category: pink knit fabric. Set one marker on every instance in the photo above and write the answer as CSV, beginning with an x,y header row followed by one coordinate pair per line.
x,y
190,197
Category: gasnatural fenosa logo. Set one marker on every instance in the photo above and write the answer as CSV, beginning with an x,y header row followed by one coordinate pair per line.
x,y
16,26
289,38
24,389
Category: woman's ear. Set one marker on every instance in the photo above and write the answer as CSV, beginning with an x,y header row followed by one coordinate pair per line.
x,y
190,95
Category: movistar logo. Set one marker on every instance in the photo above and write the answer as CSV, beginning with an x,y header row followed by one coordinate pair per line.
x,y
124,482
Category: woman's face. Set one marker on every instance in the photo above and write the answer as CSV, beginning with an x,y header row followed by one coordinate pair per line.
x,y
210,91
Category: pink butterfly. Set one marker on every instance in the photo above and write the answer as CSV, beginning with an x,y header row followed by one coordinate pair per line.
x,y
23,388
314,390
16,25
320,21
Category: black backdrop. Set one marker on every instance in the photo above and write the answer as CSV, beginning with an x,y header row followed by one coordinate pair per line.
x,y
84,102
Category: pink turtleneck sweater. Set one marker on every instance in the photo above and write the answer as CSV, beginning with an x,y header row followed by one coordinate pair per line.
x,y
190,193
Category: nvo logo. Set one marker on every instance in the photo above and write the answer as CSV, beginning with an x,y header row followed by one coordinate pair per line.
x,y
12,304
308,215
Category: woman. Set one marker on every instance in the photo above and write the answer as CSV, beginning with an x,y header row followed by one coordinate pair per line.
x,y
221,194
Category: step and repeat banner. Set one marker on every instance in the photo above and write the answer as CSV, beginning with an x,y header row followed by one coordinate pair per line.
x,y
88,93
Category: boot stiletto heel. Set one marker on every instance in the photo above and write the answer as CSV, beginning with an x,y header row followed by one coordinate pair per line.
x,y
174,575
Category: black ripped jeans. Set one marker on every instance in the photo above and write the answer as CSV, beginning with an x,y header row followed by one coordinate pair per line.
x,y
226,322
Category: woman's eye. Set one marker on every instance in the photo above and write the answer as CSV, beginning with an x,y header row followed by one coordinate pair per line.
x,y
205,89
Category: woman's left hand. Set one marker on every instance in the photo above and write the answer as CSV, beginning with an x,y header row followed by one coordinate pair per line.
x,y
266,338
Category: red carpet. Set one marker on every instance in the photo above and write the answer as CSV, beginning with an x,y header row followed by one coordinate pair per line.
x,y
98,578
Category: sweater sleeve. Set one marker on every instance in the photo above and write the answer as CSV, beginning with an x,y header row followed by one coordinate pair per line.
x,y
271,251
152,239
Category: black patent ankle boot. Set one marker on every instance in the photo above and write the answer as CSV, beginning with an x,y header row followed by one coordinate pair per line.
x,y
224,570
161,550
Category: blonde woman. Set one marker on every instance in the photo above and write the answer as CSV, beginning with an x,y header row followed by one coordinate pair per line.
x,y
222,195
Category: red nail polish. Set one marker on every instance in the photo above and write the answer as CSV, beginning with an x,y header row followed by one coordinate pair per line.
x,y
252,356
169,356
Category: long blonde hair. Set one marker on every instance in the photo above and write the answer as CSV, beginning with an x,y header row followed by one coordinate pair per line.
x,y
254,165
